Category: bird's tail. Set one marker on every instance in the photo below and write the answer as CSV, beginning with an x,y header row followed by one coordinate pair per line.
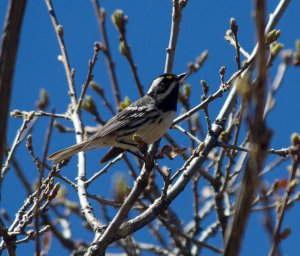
x,y
67,152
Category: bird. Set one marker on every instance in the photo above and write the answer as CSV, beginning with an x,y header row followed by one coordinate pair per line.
x,y
149,118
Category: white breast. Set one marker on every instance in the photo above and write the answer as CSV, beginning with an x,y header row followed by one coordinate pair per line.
x,y
152,131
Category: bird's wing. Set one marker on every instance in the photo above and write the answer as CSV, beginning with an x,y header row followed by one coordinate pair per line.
x,y
135,111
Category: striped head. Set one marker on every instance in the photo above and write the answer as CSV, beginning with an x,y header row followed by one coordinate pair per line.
x,y
164,89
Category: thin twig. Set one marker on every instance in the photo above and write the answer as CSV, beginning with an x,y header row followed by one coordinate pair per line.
x,y
39,184
232,42
15,144
106,49
196,207
20,113
210,98
178,6
191,136
89,77
272,165
100,91
201,244
155,249
284,152
275,86
103,170
207,118
64,59
126,51
104,201
234,28
33,236
167,183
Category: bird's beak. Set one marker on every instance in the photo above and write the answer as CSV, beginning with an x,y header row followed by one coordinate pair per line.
x,y
181,77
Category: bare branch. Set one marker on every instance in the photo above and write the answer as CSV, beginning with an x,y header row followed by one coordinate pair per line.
x,y
106,49
89,77
178,5
15,144
103,170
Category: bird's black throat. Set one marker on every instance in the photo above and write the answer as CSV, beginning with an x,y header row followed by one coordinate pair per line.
x,y
169,103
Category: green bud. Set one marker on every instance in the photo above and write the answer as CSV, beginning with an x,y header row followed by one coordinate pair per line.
x,y
242,85
44,95
224,136
296,60
203,56
62,194
295,138
89,105
275,48
187,90
93,84
195,117
285,233
124,104
71,205
59,127
120,186
273,36
43,102
123,48
119,20
137,138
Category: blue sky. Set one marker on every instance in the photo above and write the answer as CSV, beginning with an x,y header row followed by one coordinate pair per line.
x,y
203,27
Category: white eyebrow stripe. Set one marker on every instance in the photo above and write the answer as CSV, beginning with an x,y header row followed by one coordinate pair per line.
x,y
155,83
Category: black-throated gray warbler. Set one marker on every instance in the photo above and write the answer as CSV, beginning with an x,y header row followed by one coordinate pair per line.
x,y
148,118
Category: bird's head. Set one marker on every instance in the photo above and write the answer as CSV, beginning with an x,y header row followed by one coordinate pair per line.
x,y
165,83
165,88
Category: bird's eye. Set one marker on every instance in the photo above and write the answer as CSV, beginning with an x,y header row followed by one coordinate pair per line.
x,y
169,77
